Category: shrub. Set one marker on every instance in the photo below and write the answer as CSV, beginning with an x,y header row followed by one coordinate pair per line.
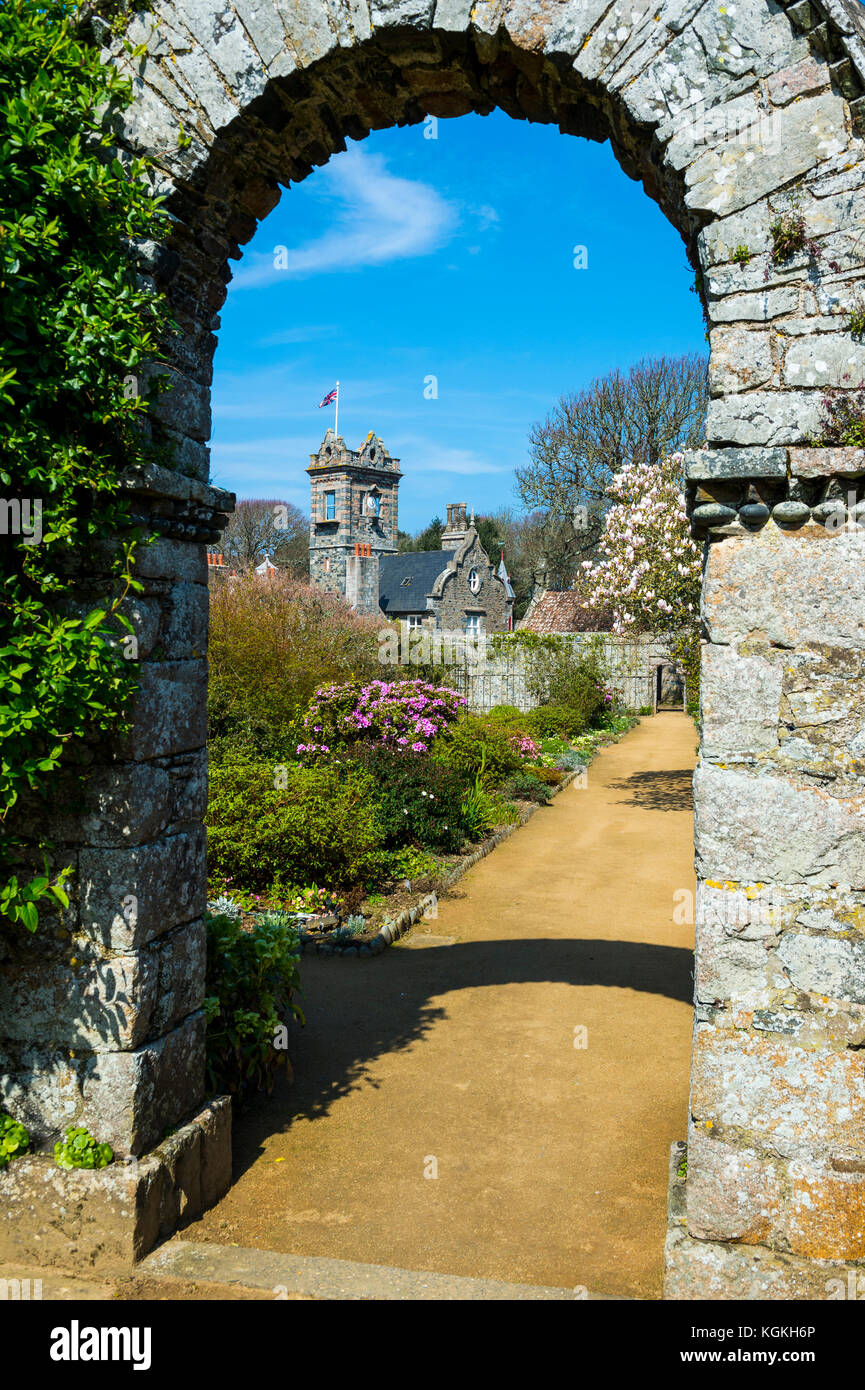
x,y
250,983
272,644
509,717
290,825
525,746
551,776
80,1150
476,746
225,906
525,786
395,714
14,1139
417,800
572,760
551,721
570,677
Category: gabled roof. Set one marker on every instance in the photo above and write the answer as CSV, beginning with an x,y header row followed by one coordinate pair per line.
x,y
565,610
404,581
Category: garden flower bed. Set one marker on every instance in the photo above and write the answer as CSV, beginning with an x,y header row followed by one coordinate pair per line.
x,y
339,832
355,925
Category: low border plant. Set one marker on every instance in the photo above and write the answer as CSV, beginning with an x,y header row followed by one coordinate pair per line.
x,y
80,1150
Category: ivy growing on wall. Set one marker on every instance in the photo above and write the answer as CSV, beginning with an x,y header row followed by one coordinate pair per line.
x,y
77,325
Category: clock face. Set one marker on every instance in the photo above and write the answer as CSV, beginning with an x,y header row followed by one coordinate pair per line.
x,y
474,581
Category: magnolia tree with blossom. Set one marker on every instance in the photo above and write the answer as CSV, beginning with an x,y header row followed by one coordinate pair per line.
x,y
648,570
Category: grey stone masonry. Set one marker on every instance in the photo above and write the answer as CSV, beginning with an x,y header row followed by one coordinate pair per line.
x,y
354,519
745,123
101,1007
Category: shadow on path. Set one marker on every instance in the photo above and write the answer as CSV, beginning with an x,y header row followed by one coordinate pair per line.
x,y
350,1025
658,791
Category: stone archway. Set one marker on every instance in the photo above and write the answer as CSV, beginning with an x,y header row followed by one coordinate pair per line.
x,y
730,118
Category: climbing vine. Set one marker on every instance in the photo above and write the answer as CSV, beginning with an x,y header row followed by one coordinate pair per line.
x,y
77,325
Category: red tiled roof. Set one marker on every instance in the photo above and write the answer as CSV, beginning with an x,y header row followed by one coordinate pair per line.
x,y
565,610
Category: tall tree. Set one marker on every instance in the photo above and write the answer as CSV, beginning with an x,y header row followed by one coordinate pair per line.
x,y
640,416
262,527
430,538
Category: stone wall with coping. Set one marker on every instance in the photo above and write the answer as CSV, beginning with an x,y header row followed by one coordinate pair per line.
x,y
500,678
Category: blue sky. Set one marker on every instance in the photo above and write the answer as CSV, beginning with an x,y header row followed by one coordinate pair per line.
x,y
408,257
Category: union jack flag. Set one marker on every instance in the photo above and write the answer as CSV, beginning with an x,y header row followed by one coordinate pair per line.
x,y
329,398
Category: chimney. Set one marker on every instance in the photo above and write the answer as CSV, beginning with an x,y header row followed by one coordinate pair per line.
x,y
455,531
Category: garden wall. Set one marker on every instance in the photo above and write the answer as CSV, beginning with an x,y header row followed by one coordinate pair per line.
x,y
501,678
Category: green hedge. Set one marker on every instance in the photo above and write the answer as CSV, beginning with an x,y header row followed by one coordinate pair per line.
x,y
271,825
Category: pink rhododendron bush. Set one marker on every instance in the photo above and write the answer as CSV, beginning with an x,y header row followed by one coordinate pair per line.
x,y
648,571
403,715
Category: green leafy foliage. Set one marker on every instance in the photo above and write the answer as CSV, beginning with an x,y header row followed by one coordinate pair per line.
x,y
842,419
271,647
80,1150
856,318
570,677
417,801
551,721
76,328
525,786
252,976
287,825
478,810
789,235
475,745
14,1139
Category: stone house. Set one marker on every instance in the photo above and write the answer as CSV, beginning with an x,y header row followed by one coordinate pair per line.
x,y
353,548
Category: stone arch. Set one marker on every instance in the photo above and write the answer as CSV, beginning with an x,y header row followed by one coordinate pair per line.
x,y
728,117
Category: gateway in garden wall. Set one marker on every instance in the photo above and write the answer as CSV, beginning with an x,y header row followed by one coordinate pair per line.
x,y
731,116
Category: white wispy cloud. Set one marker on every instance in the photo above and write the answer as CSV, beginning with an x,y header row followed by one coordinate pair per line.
x,y
380,218
428,456
311,333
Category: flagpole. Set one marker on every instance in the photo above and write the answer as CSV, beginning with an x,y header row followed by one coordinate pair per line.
x,y
336,417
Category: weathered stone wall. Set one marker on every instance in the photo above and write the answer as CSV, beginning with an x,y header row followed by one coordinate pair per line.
x,y
777,1128
102,1006
730,116
500,679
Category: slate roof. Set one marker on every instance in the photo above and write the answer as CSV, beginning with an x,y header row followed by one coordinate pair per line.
x,y
421,568
565,610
